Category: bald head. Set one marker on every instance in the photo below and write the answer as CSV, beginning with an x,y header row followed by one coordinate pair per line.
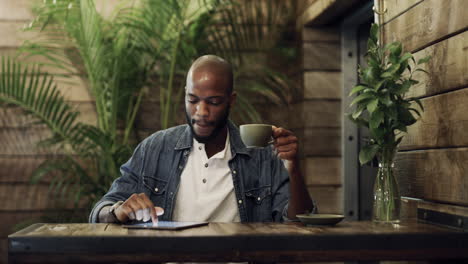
x,y
211,65
208,99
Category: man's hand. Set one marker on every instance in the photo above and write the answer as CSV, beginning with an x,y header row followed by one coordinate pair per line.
x,y
138,207
285,144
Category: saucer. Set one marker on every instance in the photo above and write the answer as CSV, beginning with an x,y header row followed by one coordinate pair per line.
x,y
320,219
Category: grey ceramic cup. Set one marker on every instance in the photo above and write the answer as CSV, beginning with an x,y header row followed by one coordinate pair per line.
x,y
256,135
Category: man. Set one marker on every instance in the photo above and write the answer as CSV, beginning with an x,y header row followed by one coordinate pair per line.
x,y
202,171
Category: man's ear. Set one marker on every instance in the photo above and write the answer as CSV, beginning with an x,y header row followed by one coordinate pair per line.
x,y
232,98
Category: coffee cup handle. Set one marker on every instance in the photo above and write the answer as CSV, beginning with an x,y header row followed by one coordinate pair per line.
x,y
271,141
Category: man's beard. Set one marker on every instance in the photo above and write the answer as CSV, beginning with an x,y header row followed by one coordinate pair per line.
x,y
219,125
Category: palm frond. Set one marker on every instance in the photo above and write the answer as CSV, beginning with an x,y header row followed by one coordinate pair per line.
x,y
70,180
38,97
75,36
36,94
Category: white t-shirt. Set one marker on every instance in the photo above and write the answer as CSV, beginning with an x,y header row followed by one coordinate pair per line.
x,y
206,190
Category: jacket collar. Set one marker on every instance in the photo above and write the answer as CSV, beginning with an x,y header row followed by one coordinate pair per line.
x,y
237,146
185,140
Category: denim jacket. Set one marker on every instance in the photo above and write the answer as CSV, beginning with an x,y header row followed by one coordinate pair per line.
x,y
261,182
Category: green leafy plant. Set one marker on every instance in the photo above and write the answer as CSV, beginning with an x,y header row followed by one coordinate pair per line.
x,y
145,45
38,96
380,101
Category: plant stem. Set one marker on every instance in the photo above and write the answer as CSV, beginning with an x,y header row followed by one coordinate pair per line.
x,y
386,194
129,124
165,121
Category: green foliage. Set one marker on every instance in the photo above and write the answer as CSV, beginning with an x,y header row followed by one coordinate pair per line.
x,y
380,101
147,44
38,96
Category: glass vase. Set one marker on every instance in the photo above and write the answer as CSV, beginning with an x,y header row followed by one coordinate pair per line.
x,y
387,202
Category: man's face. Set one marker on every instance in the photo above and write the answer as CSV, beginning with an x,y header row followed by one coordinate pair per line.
x,y
207,104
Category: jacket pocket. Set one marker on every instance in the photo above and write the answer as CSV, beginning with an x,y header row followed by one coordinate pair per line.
x,y
258,195
155,185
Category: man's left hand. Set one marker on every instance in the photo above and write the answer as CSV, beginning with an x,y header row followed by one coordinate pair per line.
x,y
286,143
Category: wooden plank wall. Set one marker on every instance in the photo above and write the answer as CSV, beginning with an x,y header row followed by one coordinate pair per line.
x,y
322,118
17,199
432,161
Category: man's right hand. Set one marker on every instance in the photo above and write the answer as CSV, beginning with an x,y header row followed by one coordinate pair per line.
x,y
138,207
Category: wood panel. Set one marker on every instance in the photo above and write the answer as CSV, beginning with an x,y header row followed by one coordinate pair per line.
x,y
426,23
322,56
444,122
409,208
14,15
72,87
326,34
290,117
314,9
22,141
322,171
14,221
323,12
261,8
328,199
397,7
149,116
19,10
447,68
13,35
324,142
439,175
322,117
322,113
16,10
322,85
443,208
19,169
302,7
13,53
13,117
15,197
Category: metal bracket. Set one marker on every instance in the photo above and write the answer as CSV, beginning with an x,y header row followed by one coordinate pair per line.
x,y
443,219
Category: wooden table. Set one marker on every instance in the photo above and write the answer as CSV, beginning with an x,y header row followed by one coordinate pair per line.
x,y
263,242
